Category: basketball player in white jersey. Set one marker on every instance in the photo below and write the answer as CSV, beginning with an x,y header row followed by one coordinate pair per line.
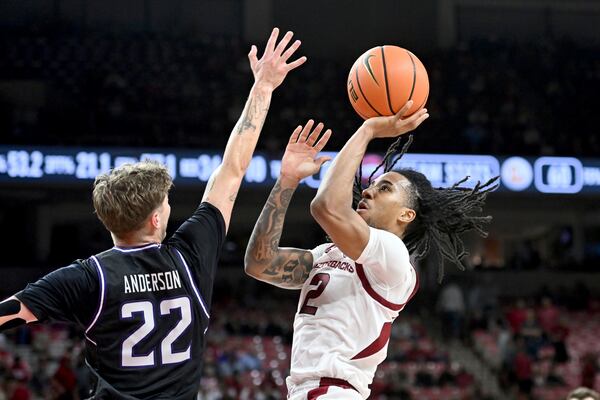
x,y
354,288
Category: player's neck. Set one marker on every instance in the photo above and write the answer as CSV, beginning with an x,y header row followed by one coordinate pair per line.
x,y
134,239
401,231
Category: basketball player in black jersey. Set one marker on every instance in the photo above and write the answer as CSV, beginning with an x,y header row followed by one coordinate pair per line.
x,y
145,304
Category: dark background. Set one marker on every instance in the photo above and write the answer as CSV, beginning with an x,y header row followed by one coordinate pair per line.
x,y
508,77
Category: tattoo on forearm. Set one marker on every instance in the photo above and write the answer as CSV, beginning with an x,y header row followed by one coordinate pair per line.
x,y
297,269
255,108
267,232
290,265
211,184
251,120
287,266
293,267
246,121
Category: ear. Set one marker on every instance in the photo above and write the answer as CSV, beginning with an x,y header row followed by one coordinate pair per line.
x,y
407,215
155,220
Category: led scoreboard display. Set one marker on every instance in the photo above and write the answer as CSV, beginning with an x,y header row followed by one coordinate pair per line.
x,y
560,175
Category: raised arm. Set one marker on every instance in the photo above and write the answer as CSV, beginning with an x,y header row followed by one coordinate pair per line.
x,y
285,267
269,72
332,206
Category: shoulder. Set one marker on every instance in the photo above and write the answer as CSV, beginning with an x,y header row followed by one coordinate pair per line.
x,y
386,260
390,239
207,208
383,242
204,229
63,293
77,270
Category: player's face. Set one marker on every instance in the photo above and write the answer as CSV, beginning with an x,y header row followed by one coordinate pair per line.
x,y
384,201
165,212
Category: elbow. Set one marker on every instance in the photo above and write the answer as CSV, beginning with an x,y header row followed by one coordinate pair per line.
x,y
319,208
237,172
248,265
240,168
234,170
251,268
326,212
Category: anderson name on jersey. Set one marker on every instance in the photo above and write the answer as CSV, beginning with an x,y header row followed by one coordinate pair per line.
x,y
345,312
154,282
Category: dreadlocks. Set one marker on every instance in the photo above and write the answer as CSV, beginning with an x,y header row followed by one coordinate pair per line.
x,y
442,214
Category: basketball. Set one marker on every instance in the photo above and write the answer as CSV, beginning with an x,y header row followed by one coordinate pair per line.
x,y
384,78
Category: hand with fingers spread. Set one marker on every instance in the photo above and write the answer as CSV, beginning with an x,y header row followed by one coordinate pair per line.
x,y
395,125
272,68
299,159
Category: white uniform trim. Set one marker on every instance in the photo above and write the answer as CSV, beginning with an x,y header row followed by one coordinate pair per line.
x,y
101,305
196,292
137,248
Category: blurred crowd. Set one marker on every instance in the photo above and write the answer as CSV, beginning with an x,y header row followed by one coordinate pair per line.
x,y
151,90
244,360
539,347
43,362
247,356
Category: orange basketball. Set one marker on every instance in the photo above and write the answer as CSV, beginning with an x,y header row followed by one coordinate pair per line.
x,y
384,78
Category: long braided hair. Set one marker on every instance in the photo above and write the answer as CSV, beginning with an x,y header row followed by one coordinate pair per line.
x,y
442,214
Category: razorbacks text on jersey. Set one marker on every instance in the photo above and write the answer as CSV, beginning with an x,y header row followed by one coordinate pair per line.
x,y
145,310
345,312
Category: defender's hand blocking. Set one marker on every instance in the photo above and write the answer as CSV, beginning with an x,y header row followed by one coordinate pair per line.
x,y
299,159
395,125
272,68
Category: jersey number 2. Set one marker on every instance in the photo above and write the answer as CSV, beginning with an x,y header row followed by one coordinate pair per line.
x,y
168,356
319,279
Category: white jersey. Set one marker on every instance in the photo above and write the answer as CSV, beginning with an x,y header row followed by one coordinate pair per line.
x,y
346,309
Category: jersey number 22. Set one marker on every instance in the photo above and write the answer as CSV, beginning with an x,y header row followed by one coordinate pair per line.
x,y
168,356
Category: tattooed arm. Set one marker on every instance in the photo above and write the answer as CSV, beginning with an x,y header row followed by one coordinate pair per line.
x,y
284,266
269,72
265,260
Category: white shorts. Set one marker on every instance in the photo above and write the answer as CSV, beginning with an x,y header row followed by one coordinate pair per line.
x,y
325,389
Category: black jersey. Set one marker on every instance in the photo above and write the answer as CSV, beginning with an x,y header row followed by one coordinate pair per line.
x,y
145,310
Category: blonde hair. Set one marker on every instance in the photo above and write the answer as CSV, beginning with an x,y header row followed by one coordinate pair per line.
x,y
582,393
124,197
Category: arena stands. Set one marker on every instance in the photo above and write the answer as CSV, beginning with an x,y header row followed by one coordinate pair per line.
x,y
99,89
152,90
247,357
541,348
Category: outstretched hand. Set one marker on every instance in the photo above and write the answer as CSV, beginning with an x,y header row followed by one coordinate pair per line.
x,y
396,125
299,160
272,68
